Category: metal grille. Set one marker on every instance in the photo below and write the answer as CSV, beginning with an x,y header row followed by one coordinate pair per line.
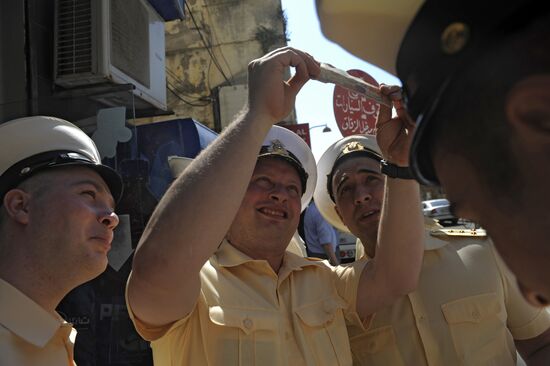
x,y
130,39
74,37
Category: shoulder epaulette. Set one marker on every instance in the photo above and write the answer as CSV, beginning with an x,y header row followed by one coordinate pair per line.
x,y
459,232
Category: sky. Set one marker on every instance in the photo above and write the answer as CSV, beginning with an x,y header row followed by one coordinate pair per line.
x,y
314,102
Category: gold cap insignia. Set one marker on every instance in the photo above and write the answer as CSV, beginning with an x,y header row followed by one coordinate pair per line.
x,y
277,148
352,146
459,232
454,38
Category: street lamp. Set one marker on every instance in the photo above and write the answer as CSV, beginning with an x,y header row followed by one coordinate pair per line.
x,y
325,129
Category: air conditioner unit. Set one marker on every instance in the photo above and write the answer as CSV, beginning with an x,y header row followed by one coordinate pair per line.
x,y
111,41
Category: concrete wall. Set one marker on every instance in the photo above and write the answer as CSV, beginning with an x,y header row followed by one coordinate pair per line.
x,y
238,31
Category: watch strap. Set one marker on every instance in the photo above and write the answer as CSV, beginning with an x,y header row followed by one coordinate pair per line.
x,y
394,171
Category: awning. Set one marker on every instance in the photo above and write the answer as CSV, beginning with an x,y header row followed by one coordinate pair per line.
x,y
157,141
169,9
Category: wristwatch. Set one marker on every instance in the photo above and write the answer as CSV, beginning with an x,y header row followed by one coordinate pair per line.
x,y
394,171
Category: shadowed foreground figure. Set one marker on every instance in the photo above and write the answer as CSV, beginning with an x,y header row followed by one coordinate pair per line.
x,y
477,81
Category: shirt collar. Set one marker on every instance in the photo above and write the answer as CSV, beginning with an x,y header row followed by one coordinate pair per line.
x,y
229,256
25,318
432,243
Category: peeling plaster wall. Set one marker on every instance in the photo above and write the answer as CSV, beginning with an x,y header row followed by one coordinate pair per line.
x,y
237,30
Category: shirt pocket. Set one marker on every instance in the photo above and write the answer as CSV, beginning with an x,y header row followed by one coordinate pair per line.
x,y
324,331
479,335
244,336
376,347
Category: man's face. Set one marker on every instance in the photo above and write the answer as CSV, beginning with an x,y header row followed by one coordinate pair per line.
x,y
270,210
358,188
72,221
518,222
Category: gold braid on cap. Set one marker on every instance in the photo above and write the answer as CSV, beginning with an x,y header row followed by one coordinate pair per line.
x,y
277,148
349,149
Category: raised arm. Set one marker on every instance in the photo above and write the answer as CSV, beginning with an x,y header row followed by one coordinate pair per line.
x,y
395,270
194,215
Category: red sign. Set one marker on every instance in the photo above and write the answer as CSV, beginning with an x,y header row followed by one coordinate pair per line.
x,y
302,130
354,113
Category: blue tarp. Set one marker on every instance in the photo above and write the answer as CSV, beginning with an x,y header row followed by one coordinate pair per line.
x,y
157,141
169,9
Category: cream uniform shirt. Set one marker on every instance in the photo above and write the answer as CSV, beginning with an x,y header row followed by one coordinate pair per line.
x,y
467,310
297,245
246,314
29,335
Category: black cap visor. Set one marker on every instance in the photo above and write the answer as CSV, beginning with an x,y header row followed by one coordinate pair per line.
x,y
26,168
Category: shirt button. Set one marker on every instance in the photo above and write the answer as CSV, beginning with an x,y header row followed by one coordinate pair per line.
x,y
475,314
248,323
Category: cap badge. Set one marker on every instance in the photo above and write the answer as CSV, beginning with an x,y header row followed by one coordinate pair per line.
x,y
454,38
352,146
277,148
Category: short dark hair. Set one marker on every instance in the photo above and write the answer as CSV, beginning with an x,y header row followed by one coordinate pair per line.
x,y
37,184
